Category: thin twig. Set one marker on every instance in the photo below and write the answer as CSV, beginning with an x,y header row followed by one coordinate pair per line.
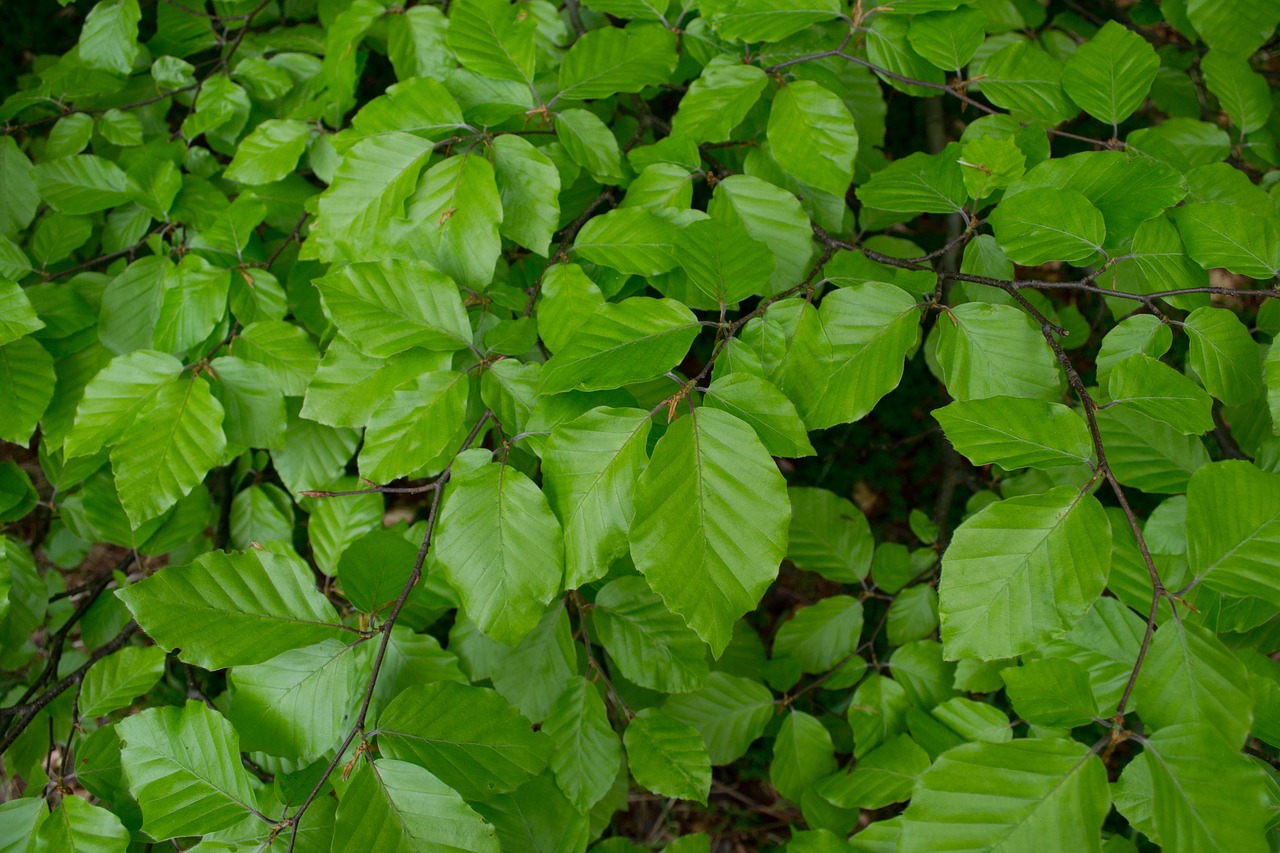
x,y
295,820
24,714
582,608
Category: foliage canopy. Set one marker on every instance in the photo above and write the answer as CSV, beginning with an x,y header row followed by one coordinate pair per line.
x,y
421,423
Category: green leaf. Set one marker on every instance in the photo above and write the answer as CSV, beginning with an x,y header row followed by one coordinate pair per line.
x,y
367,192
622,343
884,776
610,60
529,186
913,615
414,659
718,100
17,316
375,568
1110,74
588,755
667,756
1022,572
76,825
1205,795
286,350
650,645
889,48
1244,95
767,20
1143,333
723,261
232,609
115,397
538,816
22,818
349,386
510,388
710,522
194,300
1048,225
630,240
1238,27
420,105
991,163
269,153
591,145
386,307
1230,237
261,514
1129,190
812,136
928,183
1158,391
109,40
21,196
988,350
590,465
499,545
877,712
532,675
771,216
789,348
342,39
452,221
1027,786
821,635
1025,80
120,128
1051,692
802,754
948,39
1224,355
1148,454
82,184
312,456
766,409
395,805
493,38
469,737
922,671
1190,677
168,449
1233,528
828,535
183,766
296,704
1015,433
729,712
117,679
417,427
567,299
872,327
253,405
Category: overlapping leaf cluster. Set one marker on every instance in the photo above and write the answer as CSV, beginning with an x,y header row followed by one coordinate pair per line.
x,y
402,467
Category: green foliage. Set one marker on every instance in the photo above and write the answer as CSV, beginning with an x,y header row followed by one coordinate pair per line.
x,y
510,426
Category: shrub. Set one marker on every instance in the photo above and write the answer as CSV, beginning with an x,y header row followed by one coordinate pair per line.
x,y
456,425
